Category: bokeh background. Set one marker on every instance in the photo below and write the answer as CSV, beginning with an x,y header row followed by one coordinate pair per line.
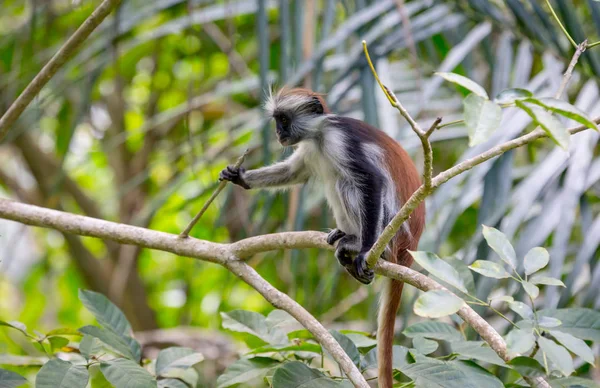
x,y
136,127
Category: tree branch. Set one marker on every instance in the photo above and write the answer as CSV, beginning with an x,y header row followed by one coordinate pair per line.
x,y
55,63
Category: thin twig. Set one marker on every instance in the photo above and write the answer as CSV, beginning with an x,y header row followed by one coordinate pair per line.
x,y
569,72
564,30
218,190
54,64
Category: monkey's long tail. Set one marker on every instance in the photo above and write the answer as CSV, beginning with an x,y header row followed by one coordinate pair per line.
x,y
388,307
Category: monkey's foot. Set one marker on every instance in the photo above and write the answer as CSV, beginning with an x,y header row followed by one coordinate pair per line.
x,y
346,250
334,235
360,270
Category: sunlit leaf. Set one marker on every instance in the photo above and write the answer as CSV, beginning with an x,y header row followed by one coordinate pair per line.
x,y
464,82
436,266
546,280
559,356
519,341
536,259
531,289
121,372
575,345
522,309
563,108
509,96
15,325
437,303
500,244
504,298
57,342
109,338
489,269
57,373
482,118
555,129
548,322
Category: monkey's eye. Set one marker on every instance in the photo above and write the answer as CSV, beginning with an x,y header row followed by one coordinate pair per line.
x,y
283,120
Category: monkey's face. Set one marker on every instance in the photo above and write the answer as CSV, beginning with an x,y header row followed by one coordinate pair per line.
x,y
287,133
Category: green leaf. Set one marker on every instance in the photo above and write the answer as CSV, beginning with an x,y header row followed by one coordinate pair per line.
x,y
296,374
399,358
489,269
17,326
504,298
63,331
559,356
527,366
555,129
531,290
563,108
361,340
579,322
246,370
536,259
97,379
124,373
500,244
572,382
437,303
107,314
509,96
434,330
176,357
57,373
171,383
113,340
89,346
547,322
348,346
519,341
302,347
431,373
482,118
58,342
439,268
522,309
281,320
575,345
424,346
546,280
477,350
10,379
464,82
463,271
255,324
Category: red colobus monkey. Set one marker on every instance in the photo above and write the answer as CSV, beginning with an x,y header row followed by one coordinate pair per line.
x,y
367,176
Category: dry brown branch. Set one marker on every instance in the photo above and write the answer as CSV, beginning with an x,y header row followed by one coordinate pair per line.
x,y
54,64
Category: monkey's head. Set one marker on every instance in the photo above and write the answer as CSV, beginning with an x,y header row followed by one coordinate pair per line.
x,y
297,114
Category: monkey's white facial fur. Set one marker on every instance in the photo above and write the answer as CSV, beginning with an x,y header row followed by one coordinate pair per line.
x,y
297,115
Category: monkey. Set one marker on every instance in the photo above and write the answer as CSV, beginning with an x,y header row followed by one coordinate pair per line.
x,y
367,177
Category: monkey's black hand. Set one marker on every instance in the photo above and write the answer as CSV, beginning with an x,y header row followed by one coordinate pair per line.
x,y
346,250
334,235
360,270
234,175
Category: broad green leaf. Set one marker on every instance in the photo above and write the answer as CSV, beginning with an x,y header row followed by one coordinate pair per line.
x,y
527,366
464,82
439,268
522,309
89,346
548,322
176,357
563,108
113,340
188,376
246,370
424,345
296,374
281,320
107,314
16,325
432,373
437,303
489,269
433,330
500,244
519,341
399,358
361,340
504,298
546,280
531,289
124,373
57,342
171,383
572,382
553,127
509,96
575,345
463,271
348,346
57,373
302,347
10,379
579,322
482,118
559,356
97,379
477,350
536,259
253,323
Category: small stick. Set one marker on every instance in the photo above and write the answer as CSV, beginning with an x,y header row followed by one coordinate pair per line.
x,y
222,184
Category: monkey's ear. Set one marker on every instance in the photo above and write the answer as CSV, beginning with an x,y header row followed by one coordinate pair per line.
x,y
317,105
